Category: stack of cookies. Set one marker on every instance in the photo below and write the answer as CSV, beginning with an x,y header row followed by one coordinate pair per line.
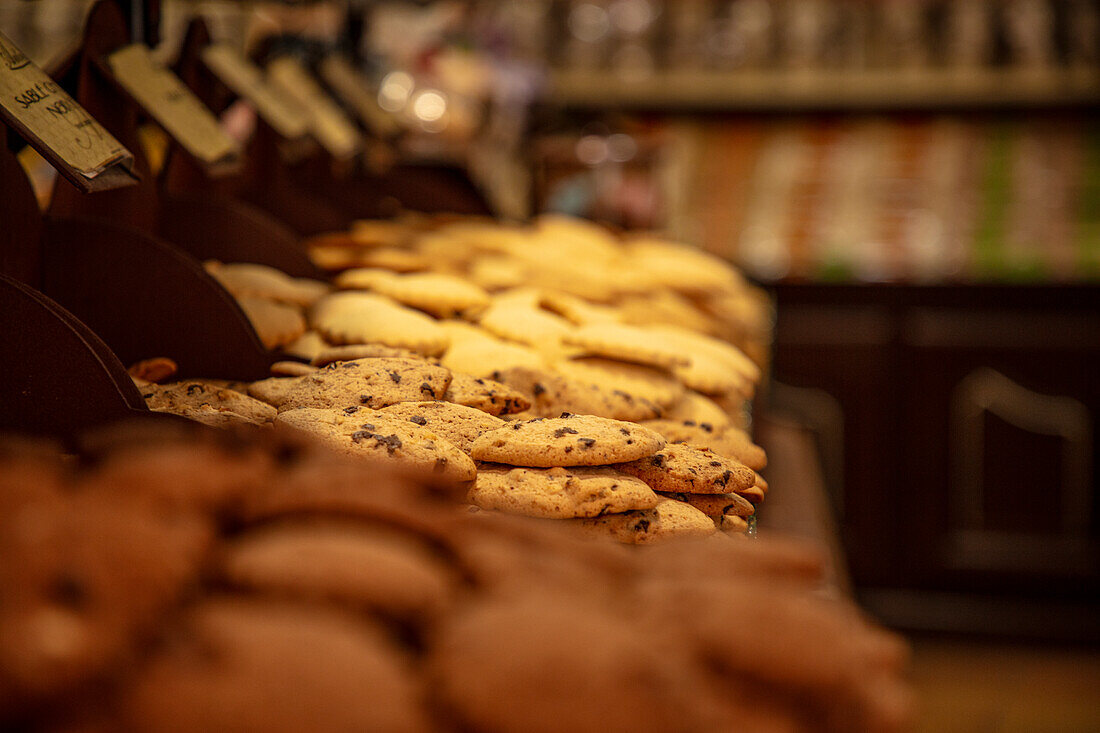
x,y
199,583
273,301
481,324
609,477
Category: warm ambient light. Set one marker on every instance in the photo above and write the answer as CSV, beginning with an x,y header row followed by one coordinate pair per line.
x,y
589,22
592,150
394,92
429,106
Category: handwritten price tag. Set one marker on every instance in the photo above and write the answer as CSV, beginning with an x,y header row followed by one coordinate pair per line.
x,y
327,122
353,89
55,125
247,81
172,105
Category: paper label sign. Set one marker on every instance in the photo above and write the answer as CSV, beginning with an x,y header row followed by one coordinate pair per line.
x,y
247,81
327,122
54,124
171,104
354,91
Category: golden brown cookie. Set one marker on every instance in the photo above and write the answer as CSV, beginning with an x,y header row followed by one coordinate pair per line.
x,y
571,440
498,272
158,369
698,408
681,267
367,434
364,318
576,310
277,324
730,442
551,394
206,402
716,367
715,505
273,390
670,519
371,383
678,467
731,524
291,369
351,352
475,351
663,306
459,424
486,395
525,323
443,296
559,493
260,281
306,346
635,344
655,385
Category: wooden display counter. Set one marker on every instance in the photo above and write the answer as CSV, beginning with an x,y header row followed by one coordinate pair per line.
x,y
957,427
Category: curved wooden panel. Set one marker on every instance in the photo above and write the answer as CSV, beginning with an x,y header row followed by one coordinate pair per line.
x,y
145,299
232,231
61,377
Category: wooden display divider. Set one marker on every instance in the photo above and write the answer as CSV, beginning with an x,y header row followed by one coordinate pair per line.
x,y
217,74
101,260
200,211
62,379
351,88
146,298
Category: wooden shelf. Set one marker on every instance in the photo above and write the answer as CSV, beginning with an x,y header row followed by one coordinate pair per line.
x,y
704,89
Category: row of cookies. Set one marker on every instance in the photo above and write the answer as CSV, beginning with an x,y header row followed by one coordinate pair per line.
x,y
200,583
682,287
670,368
610,477
366,407
648,279
561,352
273,301
572,334
421,415
566,352
387,408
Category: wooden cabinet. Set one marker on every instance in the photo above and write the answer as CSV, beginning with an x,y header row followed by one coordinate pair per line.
x,y
965,481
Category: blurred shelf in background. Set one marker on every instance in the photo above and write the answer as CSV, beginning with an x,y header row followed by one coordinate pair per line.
x,y
828,89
